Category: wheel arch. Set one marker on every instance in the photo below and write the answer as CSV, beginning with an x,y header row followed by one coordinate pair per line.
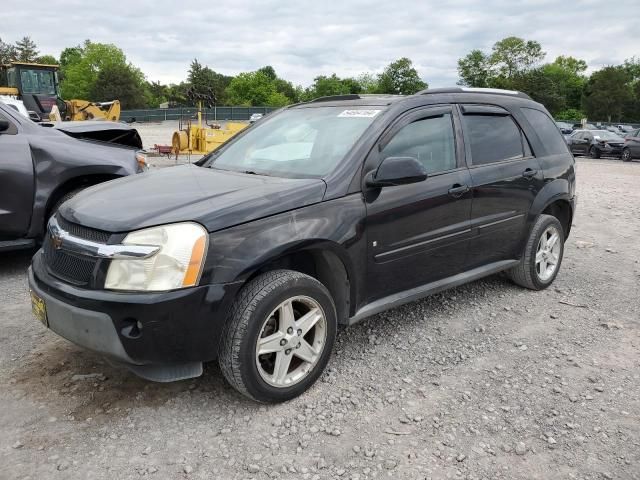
x,y
325,261
74,183
554,199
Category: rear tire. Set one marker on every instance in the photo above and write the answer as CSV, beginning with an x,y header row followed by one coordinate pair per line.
x,y
594,152
288,316
626,155
540,262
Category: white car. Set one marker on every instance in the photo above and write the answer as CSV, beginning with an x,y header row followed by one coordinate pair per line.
x,y
255,117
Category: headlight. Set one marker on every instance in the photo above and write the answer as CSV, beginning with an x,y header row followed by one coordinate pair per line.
x,y
178,263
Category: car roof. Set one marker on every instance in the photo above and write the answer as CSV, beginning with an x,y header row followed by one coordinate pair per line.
x,y
496,95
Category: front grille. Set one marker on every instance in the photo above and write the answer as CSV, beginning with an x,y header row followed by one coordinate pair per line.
x,y
67,266
70,267
82,231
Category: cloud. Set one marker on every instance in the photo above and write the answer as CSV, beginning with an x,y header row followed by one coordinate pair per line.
x,y
308,38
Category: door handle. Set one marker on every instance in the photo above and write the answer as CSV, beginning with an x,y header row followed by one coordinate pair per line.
x,y
529,173
458,190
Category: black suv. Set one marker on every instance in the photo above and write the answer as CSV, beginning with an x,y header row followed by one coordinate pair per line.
x,y
321,214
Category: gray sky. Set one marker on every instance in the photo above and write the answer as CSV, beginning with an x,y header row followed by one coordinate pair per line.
x,y
304,39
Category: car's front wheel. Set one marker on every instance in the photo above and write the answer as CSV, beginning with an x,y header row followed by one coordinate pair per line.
x,y
594,152
626,155
542,255
279,336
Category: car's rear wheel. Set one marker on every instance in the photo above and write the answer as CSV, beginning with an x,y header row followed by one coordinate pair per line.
x,y
626,155
594,152
542,255
279,336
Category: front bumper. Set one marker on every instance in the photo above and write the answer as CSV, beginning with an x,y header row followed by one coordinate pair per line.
x,y
161,336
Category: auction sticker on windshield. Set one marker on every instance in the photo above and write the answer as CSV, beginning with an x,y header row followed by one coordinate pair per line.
x,y
359,113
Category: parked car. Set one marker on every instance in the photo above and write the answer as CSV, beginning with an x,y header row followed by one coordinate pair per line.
x,y
324,213
587,126
565,128
596,143
255,117
631,147
625,128
42,166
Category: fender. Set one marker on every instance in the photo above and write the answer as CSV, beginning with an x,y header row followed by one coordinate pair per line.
x,y
555,190
335,226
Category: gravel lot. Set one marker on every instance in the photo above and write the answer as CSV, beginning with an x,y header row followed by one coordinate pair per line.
x,y
484,381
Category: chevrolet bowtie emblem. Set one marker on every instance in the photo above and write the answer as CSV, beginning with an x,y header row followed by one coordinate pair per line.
x,y
56,242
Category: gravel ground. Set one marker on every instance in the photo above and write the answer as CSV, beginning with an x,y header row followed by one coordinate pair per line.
x,y
487,381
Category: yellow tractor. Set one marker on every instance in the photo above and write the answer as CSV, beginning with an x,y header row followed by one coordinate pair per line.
x,y
198,138
36,86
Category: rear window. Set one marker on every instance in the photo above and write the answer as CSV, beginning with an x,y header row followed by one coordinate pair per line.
x,y
552,139
493,138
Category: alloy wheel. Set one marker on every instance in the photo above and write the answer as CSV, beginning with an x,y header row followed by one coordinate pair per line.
x,y
291,341
548,253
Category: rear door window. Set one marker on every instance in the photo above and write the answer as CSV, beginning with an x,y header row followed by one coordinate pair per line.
x,y
13,130
493,138
552,139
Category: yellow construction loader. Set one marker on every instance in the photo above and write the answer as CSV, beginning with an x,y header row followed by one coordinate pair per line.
x,y
36,86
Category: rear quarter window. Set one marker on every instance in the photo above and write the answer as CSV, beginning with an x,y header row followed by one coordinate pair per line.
x,y
547,131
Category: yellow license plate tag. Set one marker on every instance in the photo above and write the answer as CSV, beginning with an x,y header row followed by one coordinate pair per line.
x,y
39,308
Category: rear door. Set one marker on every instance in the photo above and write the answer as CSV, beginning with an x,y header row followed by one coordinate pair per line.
x,y
506,178
16,181
418,233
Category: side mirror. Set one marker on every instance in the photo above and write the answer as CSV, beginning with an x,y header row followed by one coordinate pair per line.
x,y
396,171
4,125
34,116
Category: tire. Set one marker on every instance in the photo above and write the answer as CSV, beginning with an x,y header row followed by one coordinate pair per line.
x,y
594,152
259,306
528,273
626,155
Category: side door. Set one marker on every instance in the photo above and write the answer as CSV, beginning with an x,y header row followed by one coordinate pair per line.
x,y
506,178
418,233
16,180
634,143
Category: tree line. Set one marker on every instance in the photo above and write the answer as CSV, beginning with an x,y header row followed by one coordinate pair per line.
x,y
610,94
101,72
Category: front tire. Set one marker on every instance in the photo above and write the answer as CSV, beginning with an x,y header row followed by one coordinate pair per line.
x,y
626,155
279,336
594,152
542,255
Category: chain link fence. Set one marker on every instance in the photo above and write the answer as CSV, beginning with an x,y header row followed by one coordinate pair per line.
x,y
215,113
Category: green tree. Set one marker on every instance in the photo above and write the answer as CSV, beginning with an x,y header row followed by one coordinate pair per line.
x,y
567,75
26,50
514,55
606,94
368,82
269,71
254,89
400,78
204,80
325,86
7,52
155,94
81,65
47,60
122,82
474,70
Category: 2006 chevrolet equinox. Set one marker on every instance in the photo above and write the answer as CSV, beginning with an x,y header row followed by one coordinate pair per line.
x,y
321,214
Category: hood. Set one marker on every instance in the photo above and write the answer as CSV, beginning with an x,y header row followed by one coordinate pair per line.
x,y
100,130
217,199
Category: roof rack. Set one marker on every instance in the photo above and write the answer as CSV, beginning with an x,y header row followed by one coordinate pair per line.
x,y
331,98
492,91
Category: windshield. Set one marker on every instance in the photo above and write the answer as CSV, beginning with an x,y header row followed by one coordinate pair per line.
x,y
38,81
605,135
297,143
